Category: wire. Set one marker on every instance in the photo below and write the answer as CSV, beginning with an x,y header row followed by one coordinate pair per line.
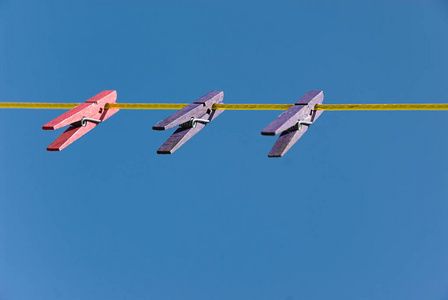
x,y
328,107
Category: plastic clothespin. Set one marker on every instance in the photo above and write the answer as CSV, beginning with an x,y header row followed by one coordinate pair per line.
x,y
191,119
294,122
82,119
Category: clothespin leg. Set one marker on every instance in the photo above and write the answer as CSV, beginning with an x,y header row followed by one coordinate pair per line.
x,y
285,141
69,136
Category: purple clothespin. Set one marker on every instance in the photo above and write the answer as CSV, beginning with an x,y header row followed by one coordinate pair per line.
x,y
294,122
191,120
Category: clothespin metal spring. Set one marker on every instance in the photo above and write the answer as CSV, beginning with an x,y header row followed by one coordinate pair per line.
x,y
193,121
299,124
84,120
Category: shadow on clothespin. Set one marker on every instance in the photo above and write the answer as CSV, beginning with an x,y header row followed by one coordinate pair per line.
x,y
191,119
82,119
294,122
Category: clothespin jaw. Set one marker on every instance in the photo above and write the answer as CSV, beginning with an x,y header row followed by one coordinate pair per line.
x,y
82,119
191,119
294,122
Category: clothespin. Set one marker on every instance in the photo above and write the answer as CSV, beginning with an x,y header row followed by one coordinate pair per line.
x,y
82,119
294,122
191,119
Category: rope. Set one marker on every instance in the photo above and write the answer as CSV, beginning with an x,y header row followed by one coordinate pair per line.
x,y
340,107
37,105
329,107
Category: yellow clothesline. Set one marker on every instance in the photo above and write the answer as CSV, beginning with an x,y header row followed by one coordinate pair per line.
x,y
328,107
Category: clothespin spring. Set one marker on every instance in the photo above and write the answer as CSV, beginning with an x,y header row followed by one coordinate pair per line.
x,y
299,124
192,122
83,122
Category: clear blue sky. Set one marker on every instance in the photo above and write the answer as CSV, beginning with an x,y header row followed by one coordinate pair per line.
x,y
357,209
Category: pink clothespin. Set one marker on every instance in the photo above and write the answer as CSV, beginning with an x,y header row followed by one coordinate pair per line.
x,y
191,120
82,119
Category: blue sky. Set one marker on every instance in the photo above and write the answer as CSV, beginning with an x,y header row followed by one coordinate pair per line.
x,y
357,209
